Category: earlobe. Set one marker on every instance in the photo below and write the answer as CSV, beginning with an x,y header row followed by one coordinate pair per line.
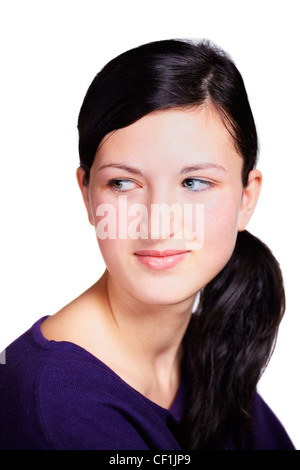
x,y
249,198
84,188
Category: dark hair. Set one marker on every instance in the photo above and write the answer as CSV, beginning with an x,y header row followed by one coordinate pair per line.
x,y
161,75
232,333
232,338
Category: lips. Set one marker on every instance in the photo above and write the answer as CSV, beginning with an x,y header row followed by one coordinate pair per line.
x,y
161,260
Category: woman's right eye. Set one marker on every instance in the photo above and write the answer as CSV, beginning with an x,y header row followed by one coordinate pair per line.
x,y
122,184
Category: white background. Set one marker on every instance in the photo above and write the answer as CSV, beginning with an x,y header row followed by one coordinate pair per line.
x,y
50,52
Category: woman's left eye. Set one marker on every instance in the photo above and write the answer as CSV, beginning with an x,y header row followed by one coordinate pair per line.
x,y
195,184
122,185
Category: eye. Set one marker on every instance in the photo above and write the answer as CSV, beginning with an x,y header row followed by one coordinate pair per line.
x,y
196,184
122,184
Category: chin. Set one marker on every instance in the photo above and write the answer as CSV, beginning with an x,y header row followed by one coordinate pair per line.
x,y
163,292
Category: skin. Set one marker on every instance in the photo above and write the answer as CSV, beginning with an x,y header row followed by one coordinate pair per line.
x,y
134,318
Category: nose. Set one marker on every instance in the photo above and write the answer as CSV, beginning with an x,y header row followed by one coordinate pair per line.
x,y
164,216
165,220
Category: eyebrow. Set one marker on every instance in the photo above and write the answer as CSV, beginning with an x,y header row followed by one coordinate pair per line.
x,y
184,170
131,169
202,166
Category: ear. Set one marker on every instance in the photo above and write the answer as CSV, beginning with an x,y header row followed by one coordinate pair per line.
x,y
84,188
249,198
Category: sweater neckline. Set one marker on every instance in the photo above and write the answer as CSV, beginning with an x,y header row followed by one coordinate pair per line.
x,y
176,408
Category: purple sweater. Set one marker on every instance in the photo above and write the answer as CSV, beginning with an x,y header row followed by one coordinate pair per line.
x,y
56,395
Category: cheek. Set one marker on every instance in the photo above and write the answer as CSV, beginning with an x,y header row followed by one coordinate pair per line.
x,y
111,251
111,227
221,218
220,231
116,221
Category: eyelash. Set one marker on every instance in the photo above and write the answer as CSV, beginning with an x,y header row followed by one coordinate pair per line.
x,y
111,183
206,183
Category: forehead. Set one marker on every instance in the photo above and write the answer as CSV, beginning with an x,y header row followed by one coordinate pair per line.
x,y
175,136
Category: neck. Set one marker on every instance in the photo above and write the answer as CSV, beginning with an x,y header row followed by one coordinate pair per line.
x,y
149,335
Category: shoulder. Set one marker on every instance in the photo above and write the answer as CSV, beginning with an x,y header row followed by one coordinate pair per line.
x,y
56,395
83,405
25,359
26,356
266,431
71,322
82,322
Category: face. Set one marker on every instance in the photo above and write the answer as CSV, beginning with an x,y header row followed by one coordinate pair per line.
x,y
184,159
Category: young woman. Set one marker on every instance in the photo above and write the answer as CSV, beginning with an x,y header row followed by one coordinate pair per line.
x,y
166,349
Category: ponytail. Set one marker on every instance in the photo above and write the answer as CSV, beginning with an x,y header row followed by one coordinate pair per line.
x,y
233,331
232,336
